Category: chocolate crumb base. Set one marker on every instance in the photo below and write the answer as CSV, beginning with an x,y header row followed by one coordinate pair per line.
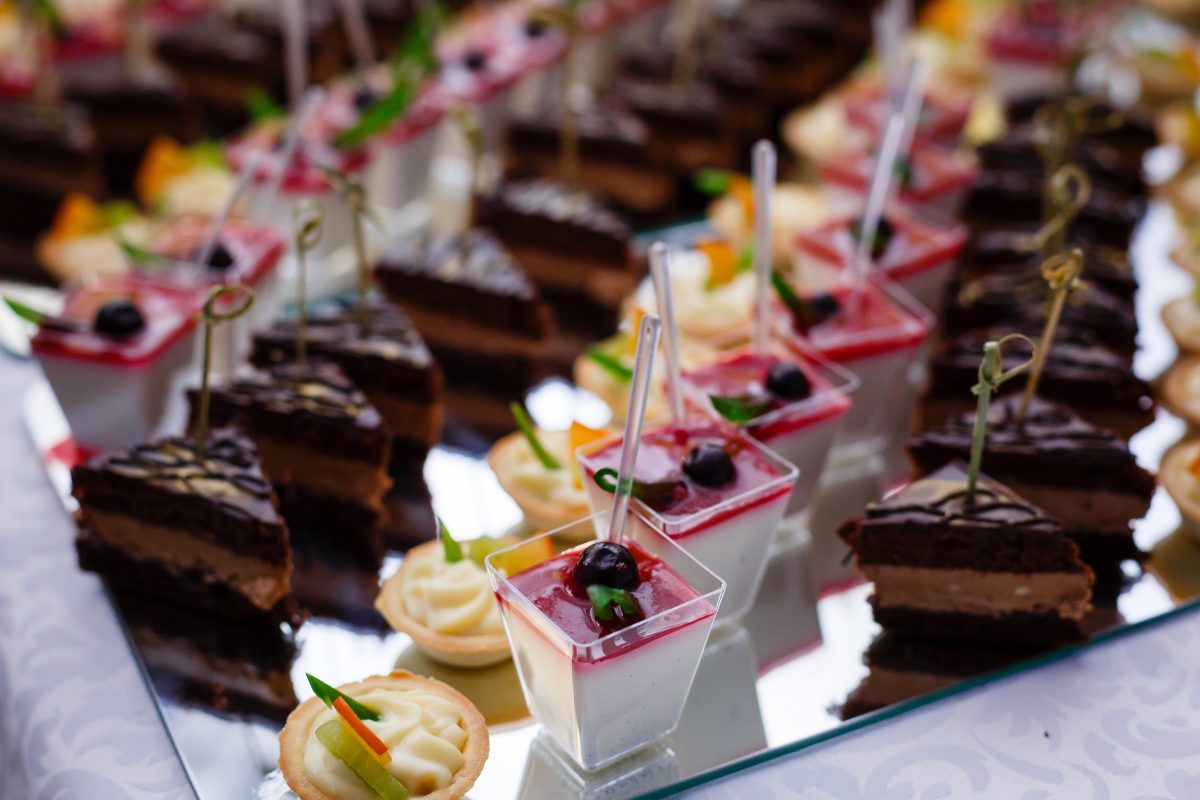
x,y
942,656
1018,628
264,644
217,699
187,587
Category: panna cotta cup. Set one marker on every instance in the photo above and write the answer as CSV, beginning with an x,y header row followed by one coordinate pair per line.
x,y
115,390
919,256
935,179
728,528
878,339
941,121
799,428
399,171
603,694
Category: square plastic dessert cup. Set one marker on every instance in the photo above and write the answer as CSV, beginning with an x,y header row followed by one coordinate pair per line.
x,y
880,354
604,699
920,258
399,172
115,393
939,182
941,119
732,538
801,432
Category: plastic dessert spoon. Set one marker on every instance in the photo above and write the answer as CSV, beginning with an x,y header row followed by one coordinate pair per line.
x,y
647,343
660,258
290,142
765,160
213,234
881,180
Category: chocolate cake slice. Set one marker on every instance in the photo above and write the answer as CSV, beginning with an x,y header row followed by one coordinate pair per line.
x,y
578,251
995,570
483,318
237,669
323,445
1091,380
615,160
1001,251
904,667
388,362
1083,476
689,127
1019,297
204,533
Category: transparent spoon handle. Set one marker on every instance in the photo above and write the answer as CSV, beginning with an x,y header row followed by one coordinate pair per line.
x,y
639,390
213,234
660,271
287,151
764,187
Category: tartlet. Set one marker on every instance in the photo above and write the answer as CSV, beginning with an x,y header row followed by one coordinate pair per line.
x,y
313,775
470,631
1181,389
1177,475
549,498
1182,318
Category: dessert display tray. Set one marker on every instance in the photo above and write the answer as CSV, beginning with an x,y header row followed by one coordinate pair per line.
x,y
738,707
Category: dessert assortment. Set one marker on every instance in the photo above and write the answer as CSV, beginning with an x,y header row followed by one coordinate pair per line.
x,y
911,363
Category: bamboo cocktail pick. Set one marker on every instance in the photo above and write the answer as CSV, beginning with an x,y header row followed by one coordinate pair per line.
x,y
1062,274
308,223
991,376
210,317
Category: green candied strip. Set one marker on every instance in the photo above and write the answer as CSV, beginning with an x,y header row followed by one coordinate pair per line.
x,y
605,597
451,549
139,255
656,494
345,745
328,694
739,410
525,425
712,182
610,364
479,549
261,106
27,313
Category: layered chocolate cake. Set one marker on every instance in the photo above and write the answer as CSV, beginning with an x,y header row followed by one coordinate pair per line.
x,y
388,362
904,667
483,318
1084,477
47,151
997,569
239,669
1091,380
204,533
1018,298
688,125
578,251
1003,250
322,444
615,160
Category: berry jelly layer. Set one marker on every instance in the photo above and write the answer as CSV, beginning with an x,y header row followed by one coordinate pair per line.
x,y
915,246
940,119
877,327
315,152
935,173
255,248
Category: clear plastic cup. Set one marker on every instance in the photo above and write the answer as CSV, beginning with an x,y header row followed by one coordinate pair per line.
x,y
606,698
938,184
732,533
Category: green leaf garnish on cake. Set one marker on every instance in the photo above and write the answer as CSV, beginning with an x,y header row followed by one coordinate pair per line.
x,y
328,694
451,549
739,410
525,425
606,600
656,494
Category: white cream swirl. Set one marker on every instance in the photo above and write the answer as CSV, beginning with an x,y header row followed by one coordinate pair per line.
x,y
201,192
423,732
703,313
557,486
450,598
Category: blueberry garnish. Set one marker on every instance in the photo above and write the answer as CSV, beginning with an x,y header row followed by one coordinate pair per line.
x,y
882,240
119,319
220,258
364,98
823,305
534,28
607,564
474,60
709,465
788,381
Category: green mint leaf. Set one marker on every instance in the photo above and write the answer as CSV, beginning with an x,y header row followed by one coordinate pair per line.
x,y
261,106
610,364
745,261
139,255
450,548
606,601
712,182
27,313
739,410
209,153
903,171
328,694
656,494
117,213
785,291
525,425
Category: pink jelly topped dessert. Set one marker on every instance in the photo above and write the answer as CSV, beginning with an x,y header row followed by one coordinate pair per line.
x,y
941,119
903,247
123,321
767,394
698,467
591,593
244,252
844,327
313,155
931,173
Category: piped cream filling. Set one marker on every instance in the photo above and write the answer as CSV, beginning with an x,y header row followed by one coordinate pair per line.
x,y
450,598
701,312
424,734
969,591
562,486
